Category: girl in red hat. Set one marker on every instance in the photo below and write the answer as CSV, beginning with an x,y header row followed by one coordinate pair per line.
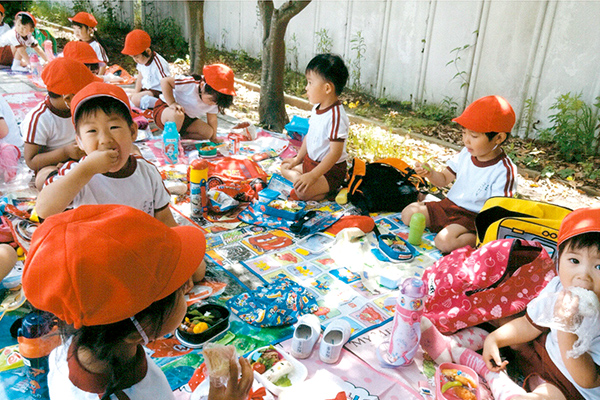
x,y
84,28
185,99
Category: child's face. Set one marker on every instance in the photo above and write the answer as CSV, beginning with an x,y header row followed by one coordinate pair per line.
x,y
207,98
317,88
177,315
82,32
22,29
141,58
1,17
580,268
480,146
100,131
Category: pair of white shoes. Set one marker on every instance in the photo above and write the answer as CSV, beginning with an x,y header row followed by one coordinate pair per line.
x,y
308,330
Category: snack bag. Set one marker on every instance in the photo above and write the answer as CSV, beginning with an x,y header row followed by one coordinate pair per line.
x,y
217,358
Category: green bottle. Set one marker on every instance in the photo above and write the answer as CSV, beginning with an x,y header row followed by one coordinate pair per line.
x,y
417,226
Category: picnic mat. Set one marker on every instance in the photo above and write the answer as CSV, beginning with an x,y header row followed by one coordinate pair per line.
x,y
22,103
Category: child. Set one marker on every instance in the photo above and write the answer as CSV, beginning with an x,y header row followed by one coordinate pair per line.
x,y
116,278
151,66
21,37
47,129
3,27
9,129
481,170
6,57
84,27
84,53
557,375
319,168
185,99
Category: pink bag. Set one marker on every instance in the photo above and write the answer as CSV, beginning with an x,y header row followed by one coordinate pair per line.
x,y
468,286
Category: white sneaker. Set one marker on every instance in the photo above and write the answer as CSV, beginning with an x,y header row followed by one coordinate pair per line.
x,y
16,66
335,337
308,329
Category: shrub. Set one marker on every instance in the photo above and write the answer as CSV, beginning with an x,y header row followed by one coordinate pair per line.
x,y
574,126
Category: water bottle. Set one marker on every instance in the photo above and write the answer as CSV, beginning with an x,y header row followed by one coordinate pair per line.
x,y
49,50
406,328
170,138
417,226
34,63
37,337
198,178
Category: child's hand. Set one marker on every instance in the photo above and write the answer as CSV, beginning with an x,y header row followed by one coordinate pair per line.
x,y
304,182
101,161
235,389
289,163
73,152
491,355
423,170
176,107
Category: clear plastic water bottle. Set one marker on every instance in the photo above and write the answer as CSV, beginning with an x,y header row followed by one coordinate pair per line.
x,y
37,337
406,328
34,63
170,138
417,226
49,49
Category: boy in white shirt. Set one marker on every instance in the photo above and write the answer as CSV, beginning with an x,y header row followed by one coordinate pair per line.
x,y
151,66
19,38
480,171
319,168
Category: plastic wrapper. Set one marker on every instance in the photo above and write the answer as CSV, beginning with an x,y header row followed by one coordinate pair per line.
x,y
221,202
579,314
218,358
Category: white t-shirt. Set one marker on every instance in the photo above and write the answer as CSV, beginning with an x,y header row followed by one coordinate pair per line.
x,y
46,126
138,185
477,181
12,38
153,71
186,94
325,126
100,52
554,286
14,136
153,385
4,28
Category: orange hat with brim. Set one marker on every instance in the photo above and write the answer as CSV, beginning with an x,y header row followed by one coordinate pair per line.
x,y
219,77
84,18
30,15
1,8
580,221
66,76
101,264
81,51
488,114
98,89
136,42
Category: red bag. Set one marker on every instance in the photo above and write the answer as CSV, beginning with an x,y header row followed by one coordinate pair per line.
x,y
468,286
230,170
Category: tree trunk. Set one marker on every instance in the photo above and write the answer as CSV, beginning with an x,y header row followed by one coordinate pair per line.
x,y
271,107
197,44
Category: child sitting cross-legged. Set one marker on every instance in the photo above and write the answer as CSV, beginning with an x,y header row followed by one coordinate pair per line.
x,y
116,279
151,66
319,168
481,170
109,173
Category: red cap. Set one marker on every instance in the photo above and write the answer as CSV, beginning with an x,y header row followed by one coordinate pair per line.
x,y
84,18
98,89
362,222
101,264
30,15
488,114
220,78
80,51
1,8
136,42
582,220
66,76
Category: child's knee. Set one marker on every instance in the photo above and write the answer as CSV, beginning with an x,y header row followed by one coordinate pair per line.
x,y
408,212
444,243
200,272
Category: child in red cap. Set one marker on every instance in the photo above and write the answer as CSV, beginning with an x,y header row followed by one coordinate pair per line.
x,y
116,278
6,56
187,98
151,66
47,128
84,53
19,38
84,28
480,171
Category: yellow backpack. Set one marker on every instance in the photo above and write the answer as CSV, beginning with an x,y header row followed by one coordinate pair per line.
x,y
510,218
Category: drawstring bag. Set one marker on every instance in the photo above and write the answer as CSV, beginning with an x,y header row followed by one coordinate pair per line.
x,y
469,287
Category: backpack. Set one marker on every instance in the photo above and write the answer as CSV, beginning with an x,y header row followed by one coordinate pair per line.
x,y
228,170
384,185
469,287
507,217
